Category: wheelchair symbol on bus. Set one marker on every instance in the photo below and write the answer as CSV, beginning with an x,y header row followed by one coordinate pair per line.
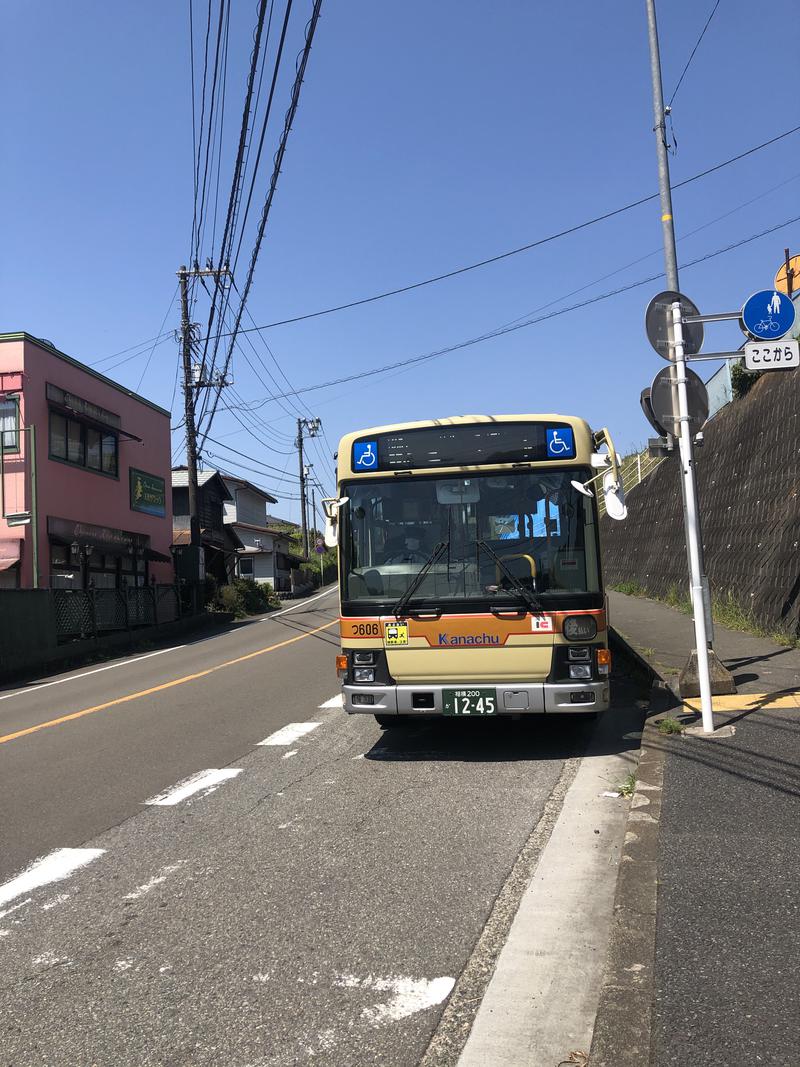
x,y
365,455
560,443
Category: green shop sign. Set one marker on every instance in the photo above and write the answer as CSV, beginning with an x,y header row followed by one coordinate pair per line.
x,y
148,493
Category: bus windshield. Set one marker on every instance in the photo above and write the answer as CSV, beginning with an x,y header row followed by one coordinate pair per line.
x,y
498,535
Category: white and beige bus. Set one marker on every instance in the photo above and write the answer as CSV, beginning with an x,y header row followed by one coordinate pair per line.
x,y
469,565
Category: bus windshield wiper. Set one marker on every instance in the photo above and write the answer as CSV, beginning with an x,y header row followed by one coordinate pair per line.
x,y
435,556
527,595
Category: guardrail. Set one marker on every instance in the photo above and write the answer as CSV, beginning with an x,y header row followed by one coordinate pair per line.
x,y
634,470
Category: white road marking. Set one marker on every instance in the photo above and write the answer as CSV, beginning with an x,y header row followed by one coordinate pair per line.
x,y
16,907
300,604
60,899
157,879
4,933
290,733
149,655
334,702
55,867
288,755
49,959
408,995
204,781
88,674
123,965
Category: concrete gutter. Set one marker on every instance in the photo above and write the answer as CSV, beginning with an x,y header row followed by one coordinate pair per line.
x,y
623,1026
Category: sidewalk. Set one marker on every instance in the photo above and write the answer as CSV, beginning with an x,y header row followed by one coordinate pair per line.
x,y
704,964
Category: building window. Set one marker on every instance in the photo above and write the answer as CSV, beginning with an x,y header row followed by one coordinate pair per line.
x,y
82,445
9,424
245,567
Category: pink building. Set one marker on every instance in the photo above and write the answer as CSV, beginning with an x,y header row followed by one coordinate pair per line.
x,y
96,506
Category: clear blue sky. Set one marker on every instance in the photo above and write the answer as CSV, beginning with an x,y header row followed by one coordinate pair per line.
x,y
429,135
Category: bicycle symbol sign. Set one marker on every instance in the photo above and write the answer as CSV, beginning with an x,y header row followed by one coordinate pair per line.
x,y
365,455
560,443
768,315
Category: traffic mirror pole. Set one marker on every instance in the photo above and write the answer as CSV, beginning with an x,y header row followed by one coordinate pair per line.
x,y
693,543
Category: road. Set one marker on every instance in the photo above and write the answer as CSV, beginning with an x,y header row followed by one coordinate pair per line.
x,y
314,899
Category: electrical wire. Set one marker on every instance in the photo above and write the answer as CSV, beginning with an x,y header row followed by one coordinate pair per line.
x,y
501,331
278,161
522,248
155,343
691,57
266,466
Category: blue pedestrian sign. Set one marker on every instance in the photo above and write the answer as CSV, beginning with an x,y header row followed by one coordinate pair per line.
x,y
560,443
365,455
768,315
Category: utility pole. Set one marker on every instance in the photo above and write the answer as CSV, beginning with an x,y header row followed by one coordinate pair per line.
x,y
309,427
191,384
703,660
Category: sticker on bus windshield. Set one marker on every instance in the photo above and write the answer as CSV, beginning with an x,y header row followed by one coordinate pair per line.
x,y
396,633
542,624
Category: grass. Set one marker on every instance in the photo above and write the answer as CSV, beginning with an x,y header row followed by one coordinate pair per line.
x,y
628,785
670,725
726,610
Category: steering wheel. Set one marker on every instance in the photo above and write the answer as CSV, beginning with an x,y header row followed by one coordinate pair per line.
x,y
411,556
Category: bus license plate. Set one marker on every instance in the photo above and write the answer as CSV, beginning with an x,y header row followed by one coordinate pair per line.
x,y
469,701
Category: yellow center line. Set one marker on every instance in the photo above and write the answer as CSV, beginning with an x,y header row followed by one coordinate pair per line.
x,y
163,686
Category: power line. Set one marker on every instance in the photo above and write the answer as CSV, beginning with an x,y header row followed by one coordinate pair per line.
x,y
522,248
155,343
691,57
278,161
282,476
233,199
501,331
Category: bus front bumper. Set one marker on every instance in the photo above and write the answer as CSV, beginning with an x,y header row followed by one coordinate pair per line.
x,y
537,699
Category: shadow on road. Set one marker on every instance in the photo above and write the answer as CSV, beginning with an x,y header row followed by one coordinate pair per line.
x,y
503,739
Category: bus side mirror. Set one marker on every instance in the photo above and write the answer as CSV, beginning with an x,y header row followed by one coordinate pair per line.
x,y
330,507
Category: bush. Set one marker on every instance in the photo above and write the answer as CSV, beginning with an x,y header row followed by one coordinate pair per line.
x,y
742,381
246,597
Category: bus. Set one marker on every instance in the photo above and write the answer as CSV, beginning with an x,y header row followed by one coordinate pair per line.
x,y
469,567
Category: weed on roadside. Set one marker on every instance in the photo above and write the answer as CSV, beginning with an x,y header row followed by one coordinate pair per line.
x,y
628,785
670,725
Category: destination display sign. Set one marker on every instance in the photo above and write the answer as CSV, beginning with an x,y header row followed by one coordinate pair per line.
x,y
464,445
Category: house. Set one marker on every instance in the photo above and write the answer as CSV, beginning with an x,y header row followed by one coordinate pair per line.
x,y
220,544
84,470
266,554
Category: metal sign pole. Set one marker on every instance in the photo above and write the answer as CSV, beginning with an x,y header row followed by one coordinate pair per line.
x,y
692,525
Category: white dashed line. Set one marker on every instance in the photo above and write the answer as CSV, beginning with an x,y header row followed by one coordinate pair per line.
x,y
407,996
288,755
334,702
290,733
204,781
55,867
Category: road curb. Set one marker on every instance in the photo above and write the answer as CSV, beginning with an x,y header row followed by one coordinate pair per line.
x,y
623,1027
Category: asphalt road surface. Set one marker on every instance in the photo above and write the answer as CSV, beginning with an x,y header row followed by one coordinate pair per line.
x,y
203,898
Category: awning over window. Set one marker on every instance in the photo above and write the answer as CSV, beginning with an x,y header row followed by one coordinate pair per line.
x,y
9,553
156,557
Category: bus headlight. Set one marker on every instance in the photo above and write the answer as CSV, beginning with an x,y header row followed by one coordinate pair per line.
x,y
363,674
579,628
580,670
